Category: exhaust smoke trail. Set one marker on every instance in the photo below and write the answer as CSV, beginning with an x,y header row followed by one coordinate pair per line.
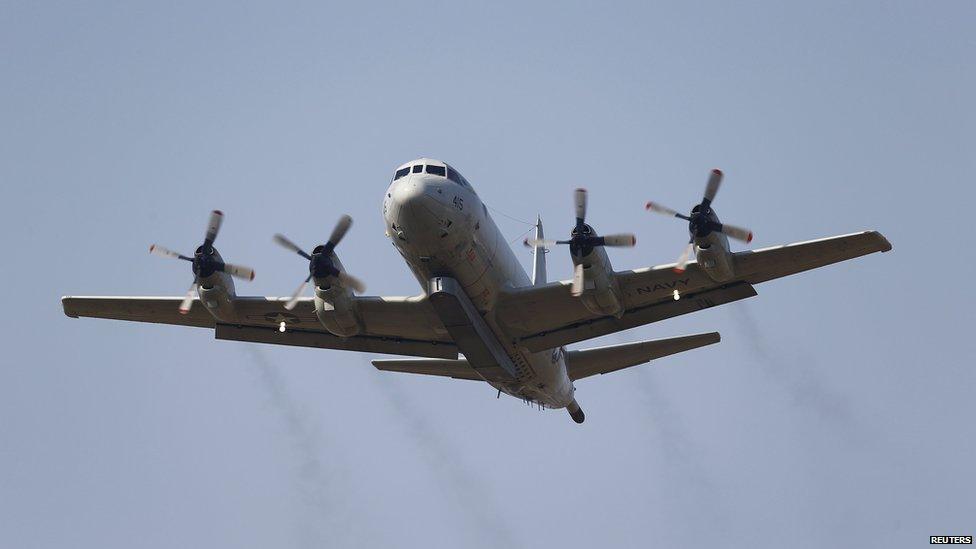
x,y
798,377
318,528
450,468
691,483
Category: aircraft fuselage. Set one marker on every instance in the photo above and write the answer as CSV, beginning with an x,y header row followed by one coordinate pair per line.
x,y
441,228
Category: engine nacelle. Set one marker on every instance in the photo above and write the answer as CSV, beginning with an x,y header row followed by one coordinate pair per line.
x,y
217,295
601,294
336,308
714,257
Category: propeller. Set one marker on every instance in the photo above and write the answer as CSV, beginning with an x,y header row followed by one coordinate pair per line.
x,y
205,260
583,239
320,264
702,220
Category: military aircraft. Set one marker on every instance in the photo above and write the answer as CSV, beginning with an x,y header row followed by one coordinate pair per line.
x,y
477,301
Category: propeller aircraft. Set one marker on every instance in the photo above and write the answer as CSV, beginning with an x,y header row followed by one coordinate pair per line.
x,y
479,315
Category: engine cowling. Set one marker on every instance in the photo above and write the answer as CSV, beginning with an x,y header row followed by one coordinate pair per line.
x,y
217,290
218,298
337,311
714,257
601,295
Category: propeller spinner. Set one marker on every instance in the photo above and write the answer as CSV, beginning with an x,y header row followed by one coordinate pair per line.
x,y
205,260
583,239
702,221
320,264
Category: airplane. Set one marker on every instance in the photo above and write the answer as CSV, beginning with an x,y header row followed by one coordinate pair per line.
x,y
480,317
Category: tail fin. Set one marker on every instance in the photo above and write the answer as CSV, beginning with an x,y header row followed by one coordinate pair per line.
x,y
539,258
603,360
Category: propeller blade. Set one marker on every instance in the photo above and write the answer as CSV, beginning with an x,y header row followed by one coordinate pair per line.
x,y
297,295
579,197
350,281
711,189
340,230
156,249
738,233
657,208
540,242
283,241
213,227
188,300
683,260
244,273
577,287
619,240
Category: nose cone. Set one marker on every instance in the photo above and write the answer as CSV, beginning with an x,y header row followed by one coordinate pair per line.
x,y
418,206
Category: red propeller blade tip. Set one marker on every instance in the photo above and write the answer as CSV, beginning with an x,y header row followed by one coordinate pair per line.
x,y
748,240
151,248
717,171
633,240
677,270
184,311
648,206
218,212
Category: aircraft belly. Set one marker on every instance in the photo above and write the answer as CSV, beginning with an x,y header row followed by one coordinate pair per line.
x,y
481,269
441,240
549,385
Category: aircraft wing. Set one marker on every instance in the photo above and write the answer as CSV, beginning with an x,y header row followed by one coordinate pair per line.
x,y
542,317
392,325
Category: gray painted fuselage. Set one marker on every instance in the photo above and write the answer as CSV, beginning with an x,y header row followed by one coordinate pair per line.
x,y
441,228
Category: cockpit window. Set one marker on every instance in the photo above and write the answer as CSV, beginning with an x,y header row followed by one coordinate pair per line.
x,y
418,168
436,170
401,172
453,175
456,177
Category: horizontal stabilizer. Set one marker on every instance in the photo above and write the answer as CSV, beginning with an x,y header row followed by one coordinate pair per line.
x,y
458,369
602,360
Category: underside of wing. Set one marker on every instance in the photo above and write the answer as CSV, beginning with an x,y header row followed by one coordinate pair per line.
x,y
391,325
325,340
159,310
545,316
638,316
778,261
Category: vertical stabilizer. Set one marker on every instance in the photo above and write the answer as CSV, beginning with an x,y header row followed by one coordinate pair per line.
x,y
539,257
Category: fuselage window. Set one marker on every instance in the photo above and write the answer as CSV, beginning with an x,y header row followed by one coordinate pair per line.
x,y
436,170
418,168
401,172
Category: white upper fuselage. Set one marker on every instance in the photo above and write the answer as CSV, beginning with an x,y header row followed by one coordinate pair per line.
x,y
441,228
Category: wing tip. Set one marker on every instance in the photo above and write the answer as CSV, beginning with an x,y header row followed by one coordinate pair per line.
x,y
66,307
883,243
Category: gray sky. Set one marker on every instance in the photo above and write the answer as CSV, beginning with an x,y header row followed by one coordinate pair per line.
x,y
837,411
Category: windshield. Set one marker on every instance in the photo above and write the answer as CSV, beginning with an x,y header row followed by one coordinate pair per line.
x,y
456,177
